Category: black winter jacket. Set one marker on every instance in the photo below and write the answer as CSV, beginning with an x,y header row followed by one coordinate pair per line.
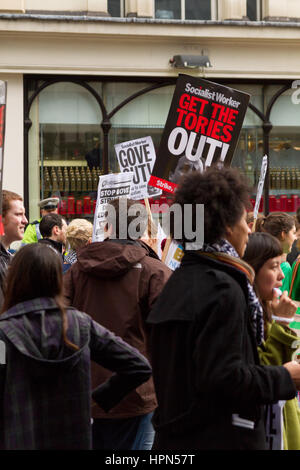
x,y
205,362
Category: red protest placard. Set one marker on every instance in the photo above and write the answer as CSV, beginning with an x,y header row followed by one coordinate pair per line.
x,y
202,128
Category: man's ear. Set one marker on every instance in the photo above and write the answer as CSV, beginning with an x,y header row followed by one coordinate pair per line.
x,y
55,230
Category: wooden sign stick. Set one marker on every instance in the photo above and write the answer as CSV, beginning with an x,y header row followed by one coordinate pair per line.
x,y
166,249
151,223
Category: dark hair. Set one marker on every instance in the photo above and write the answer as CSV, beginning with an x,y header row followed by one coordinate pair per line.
x,y
260,248
224,193
7,197
35,271
275,223
250,217
124,205
48,222
297,222
298,215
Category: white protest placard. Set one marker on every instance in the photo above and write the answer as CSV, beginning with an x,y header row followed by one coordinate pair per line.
x,y
174,255
274,425
260,186
160,237
138,156
110,187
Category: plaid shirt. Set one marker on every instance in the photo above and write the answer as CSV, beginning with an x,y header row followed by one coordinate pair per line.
x,y
45,385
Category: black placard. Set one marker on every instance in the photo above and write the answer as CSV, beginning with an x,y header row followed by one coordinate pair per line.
x,y
202,128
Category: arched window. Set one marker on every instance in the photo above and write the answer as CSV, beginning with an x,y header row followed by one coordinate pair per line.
x,y
65,138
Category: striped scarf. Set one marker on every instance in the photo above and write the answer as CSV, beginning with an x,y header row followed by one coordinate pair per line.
x,y
71,257
223,251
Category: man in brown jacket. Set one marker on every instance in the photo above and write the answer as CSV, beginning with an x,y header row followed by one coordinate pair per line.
x,y
117,282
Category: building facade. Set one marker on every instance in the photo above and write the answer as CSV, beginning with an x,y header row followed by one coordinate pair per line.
x,y
84,75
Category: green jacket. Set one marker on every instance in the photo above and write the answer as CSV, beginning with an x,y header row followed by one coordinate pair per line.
x,y
30,234
295,294
287,271
277,350
296,286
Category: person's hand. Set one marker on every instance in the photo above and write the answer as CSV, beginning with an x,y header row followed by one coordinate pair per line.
x,y
283,307
294,369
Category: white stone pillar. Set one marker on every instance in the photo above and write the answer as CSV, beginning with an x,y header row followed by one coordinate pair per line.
x,y
56,5
232,9
12,6
98,7
139,8
280,10
13,164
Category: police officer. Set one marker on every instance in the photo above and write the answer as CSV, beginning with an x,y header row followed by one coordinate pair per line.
x,y
32,233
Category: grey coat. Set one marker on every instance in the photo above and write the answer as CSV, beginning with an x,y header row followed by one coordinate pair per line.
x,y
45,385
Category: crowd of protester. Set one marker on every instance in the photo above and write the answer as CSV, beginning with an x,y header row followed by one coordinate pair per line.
x,y
102,346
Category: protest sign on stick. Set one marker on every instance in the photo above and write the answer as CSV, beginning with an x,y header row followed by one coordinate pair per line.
x,y
172,254
260,188
202,128
155,234
166,249
138,156
147,205
2,136
152,227
161,236
111,186
274,425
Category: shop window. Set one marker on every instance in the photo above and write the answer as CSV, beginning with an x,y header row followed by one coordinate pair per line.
x,y
66,142
65,149
195,10
168,9
114,93
284,151
143,116
253,10
249,151
115,8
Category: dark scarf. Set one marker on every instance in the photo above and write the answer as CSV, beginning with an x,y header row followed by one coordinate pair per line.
x,y
223,251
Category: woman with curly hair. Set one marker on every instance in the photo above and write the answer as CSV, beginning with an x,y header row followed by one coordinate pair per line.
x,y
79,234
205,328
